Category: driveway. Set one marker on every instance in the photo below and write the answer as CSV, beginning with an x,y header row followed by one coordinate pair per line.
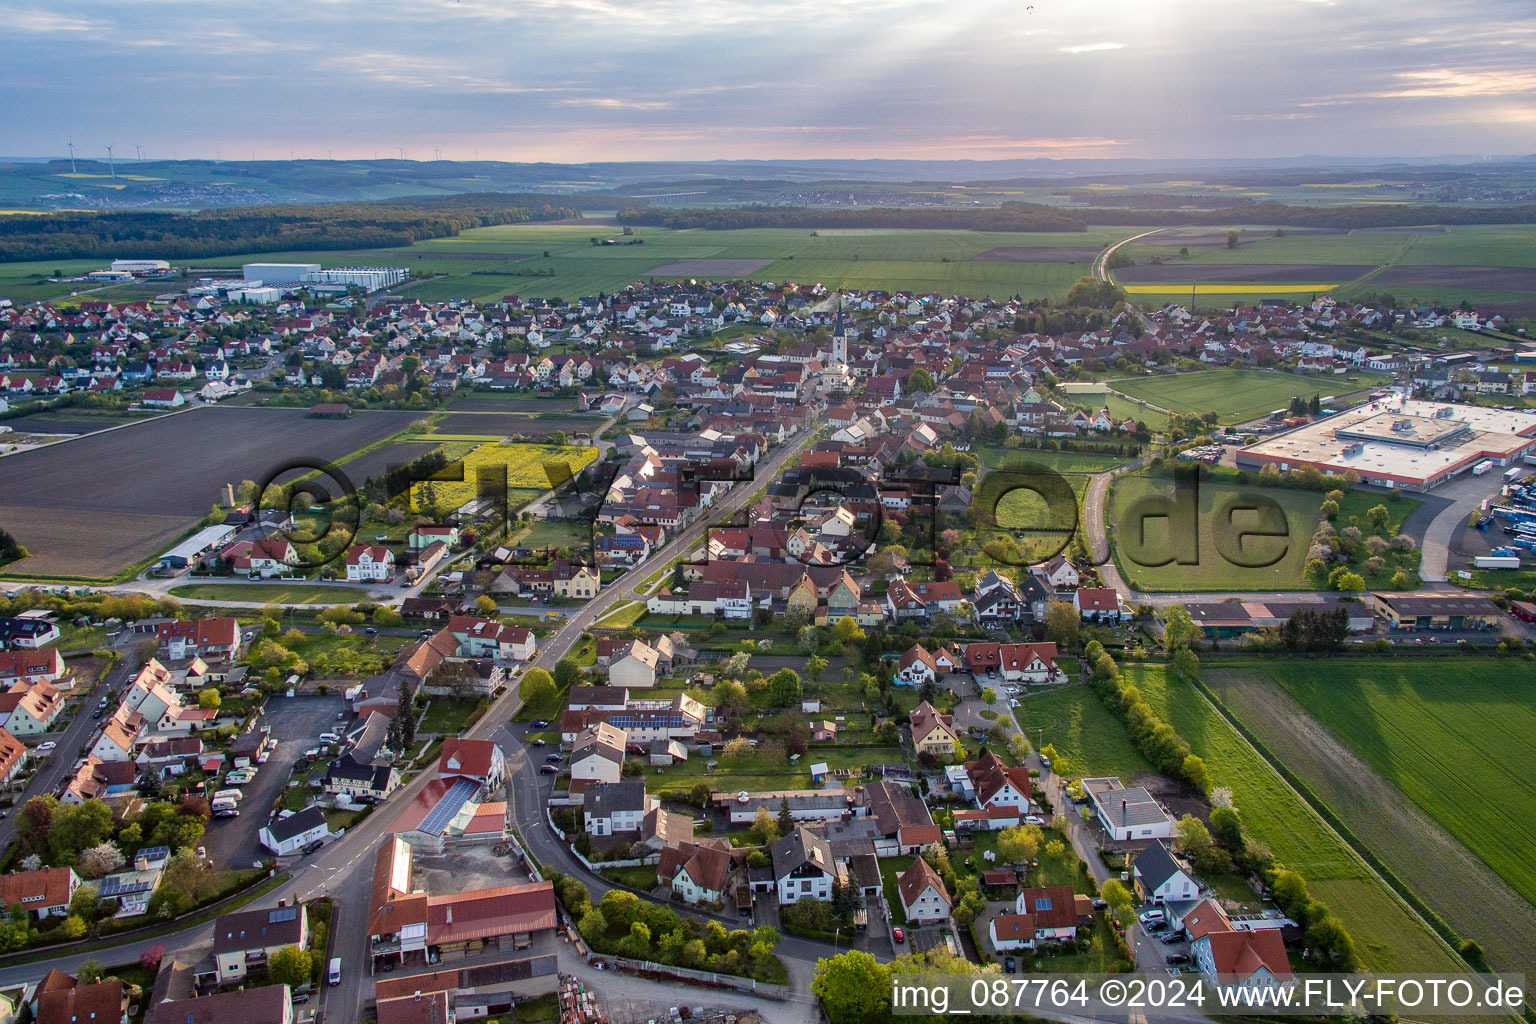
x,y
295,723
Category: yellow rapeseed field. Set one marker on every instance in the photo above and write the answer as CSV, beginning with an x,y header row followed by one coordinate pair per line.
x,y
529,467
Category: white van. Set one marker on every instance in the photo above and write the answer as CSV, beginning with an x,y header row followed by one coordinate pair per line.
x,y
335,975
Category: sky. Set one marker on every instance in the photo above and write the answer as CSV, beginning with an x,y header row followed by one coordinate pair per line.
x,y
617,80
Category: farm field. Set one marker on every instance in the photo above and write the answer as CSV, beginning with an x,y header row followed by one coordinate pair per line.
x,y
1219,503
1237,395
500,424
525,465
916,260
1427,768
67,502
1387,936
268,593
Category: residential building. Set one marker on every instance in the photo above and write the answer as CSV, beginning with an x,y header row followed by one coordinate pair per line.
x,y
634,666
803,868
699,872
101,1002
30,665
42,893
923,895
247,939
933,733
613,808
598,754
264,1004
291,833
213,640
1128,813
370,563
1159,877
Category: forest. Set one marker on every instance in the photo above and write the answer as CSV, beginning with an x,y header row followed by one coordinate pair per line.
x,y
250,229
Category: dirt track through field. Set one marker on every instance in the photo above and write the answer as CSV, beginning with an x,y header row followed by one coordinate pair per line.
x,y
1452,880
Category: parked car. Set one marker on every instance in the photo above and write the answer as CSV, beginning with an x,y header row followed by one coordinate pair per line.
x,y
1100,905
1156,926
1172,937
44,747
371,631
312,846
554,758
1010,965
899,935
96,713
548,769
1178,958
536,743
538,723
1148,916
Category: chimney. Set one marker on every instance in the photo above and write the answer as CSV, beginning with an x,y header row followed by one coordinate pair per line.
x,y
449,919
229,492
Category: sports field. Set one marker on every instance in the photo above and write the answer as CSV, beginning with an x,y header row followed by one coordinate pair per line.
x,y
1222,559
1096,396
1236,396
1388,937
1428,767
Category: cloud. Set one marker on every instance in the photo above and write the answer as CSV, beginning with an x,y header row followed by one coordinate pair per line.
x,y
614,103
1461,82
40,22
1090,48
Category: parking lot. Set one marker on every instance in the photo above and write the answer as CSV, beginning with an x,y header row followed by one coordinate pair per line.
x,y
295,722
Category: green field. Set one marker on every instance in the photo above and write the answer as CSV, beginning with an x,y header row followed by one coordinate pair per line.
x,y
1220,519
915,260
1237,395
1094,397
1387,936
268,593
1457,737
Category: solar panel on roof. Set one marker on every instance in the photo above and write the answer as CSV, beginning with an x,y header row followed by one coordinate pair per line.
x,y
282,914
1043,903
449,806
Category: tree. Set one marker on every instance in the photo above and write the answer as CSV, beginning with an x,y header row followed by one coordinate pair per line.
x,y
729,697
76,828
89,972
854,988
1379,516
1118,897
786,820
485,605
1227,828
847,631
620,909
209,699
989,696
1350,582
85,903
567,672
1195,773
1186,665
1020,844
537,688
101,859
1193,837
1062,623
1179,629
736,748
405,718
289,966
1232,238
815,665
150,785
784,688
150,958
766,825
920,380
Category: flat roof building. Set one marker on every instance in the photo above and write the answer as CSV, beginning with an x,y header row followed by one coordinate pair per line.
x,y
1400,443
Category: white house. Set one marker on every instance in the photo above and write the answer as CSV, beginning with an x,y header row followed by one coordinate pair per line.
x,y
610,808
1128,814
370,563
1160,878
923,895
598,754
803,868
288,835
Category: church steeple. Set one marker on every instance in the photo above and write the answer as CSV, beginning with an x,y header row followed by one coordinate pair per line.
x,y
840,336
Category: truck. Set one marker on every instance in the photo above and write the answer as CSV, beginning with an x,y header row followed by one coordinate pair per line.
x,y
1481,468
1514,473
1497,561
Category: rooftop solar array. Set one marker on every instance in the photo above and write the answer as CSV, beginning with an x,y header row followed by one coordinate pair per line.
x,y
452,802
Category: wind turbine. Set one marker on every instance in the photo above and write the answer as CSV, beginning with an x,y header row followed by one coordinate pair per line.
x,y
71,156
138,153
111,167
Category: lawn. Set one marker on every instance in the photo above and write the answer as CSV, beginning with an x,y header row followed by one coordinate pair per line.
x,y
765,769
269,593
446,716
1236,395
1388,937
1094,397
640,876
1223,559
543,533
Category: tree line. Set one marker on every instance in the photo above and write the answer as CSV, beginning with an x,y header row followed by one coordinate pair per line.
x,y
224,232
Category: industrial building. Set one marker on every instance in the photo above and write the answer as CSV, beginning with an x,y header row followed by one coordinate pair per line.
x,y
369,279
140,266
1400,443
277,273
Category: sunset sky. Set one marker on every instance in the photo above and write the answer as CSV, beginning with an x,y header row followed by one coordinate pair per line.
x,y
610,80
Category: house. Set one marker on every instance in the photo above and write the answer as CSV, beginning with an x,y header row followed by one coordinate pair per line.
x,y
163,398
361,779
370,562
803,868
26,632
480,761
1061,573
1159,877
612,808
290,834
30,666
29,709
1041,915
1127,813
247,939
101,1002
633,666
1247,959
916,667
923,895
264,1004
1099,604
933,733
486,638
213,640
13,754
903,822
43,893
698,872
996,785
1030,663
598,754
